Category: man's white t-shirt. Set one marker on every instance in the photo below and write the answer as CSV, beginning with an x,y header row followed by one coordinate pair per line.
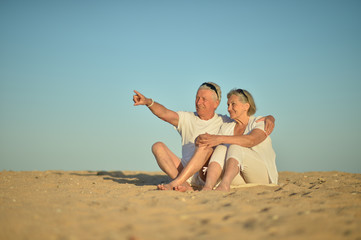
x,y
190,126
264,149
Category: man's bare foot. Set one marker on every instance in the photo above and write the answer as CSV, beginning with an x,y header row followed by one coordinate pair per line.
x,y
165,187
160,186
184,187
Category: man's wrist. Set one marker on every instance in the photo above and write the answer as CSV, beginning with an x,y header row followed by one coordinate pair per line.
x,y
151,104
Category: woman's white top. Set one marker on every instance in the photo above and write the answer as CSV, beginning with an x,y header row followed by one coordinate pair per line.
x,y
264,149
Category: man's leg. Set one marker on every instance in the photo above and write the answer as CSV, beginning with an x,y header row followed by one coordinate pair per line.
x,y
198,160
167,160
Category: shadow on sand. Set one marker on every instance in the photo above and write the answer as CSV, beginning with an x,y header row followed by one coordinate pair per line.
x,y
138,179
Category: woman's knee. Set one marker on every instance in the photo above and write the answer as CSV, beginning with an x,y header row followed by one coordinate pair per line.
x,y
233,162
219,155
220,151
221,147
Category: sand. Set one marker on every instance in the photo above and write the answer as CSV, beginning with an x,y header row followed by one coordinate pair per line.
x,y
126,205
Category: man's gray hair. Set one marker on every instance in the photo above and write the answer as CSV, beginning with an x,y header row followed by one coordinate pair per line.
x,y
214,87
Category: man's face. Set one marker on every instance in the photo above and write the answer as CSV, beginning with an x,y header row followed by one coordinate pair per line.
x,y
205,104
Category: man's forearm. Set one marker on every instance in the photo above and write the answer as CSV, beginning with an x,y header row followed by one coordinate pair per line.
x,y
162,112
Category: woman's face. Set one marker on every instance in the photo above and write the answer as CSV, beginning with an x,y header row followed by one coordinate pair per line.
x,y
236,108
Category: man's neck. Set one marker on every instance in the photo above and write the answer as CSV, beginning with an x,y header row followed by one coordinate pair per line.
x,y
207,117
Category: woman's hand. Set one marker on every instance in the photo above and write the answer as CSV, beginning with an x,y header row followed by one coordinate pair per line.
x,y
207,140
269,124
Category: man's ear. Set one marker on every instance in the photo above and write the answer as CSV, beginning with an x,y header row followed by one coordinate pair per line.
x,y
217,103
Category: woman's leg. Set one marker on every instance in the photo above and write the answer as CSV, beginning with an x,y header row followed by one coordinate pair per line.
x,y
214,171
254,170
215,167
243,166
231,171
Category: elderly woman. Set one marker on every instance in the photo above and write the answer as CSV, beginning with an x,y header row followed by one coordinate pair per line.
x,y
244,152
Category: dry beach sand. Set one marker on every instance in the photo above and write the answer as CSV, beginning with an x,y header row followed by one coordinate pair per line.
x,y
125,205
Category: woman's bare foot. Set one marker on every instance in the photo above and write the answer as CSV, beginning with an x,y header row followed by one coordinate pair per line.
x,y
207,188
223,188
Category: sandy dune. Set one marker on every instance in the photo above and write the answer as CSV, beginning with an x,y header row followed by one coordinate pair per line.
x,y
125,205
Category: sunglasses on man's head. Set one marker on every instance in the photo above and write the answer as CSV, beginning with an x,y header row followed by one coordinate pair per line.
x,y
211,86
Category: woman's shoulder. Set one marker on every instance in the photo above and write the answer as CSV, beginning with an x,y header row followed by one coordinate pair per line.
x,y
227,128
255,118
255,123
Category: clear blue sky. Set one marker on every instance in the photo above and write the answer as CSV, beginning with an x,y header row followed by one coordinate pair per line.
x,y
68,70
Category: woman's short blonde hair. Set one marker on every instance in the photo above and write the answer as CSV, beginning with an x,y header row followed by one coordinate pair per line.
x,y
244,97
214,87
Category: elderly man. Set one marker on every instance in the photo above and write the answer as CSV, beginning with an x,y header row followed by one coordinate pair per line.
x,y
189,125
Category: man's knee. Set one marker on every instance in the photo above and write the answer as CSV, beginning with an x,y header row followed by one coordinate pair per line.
x,y
158,146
